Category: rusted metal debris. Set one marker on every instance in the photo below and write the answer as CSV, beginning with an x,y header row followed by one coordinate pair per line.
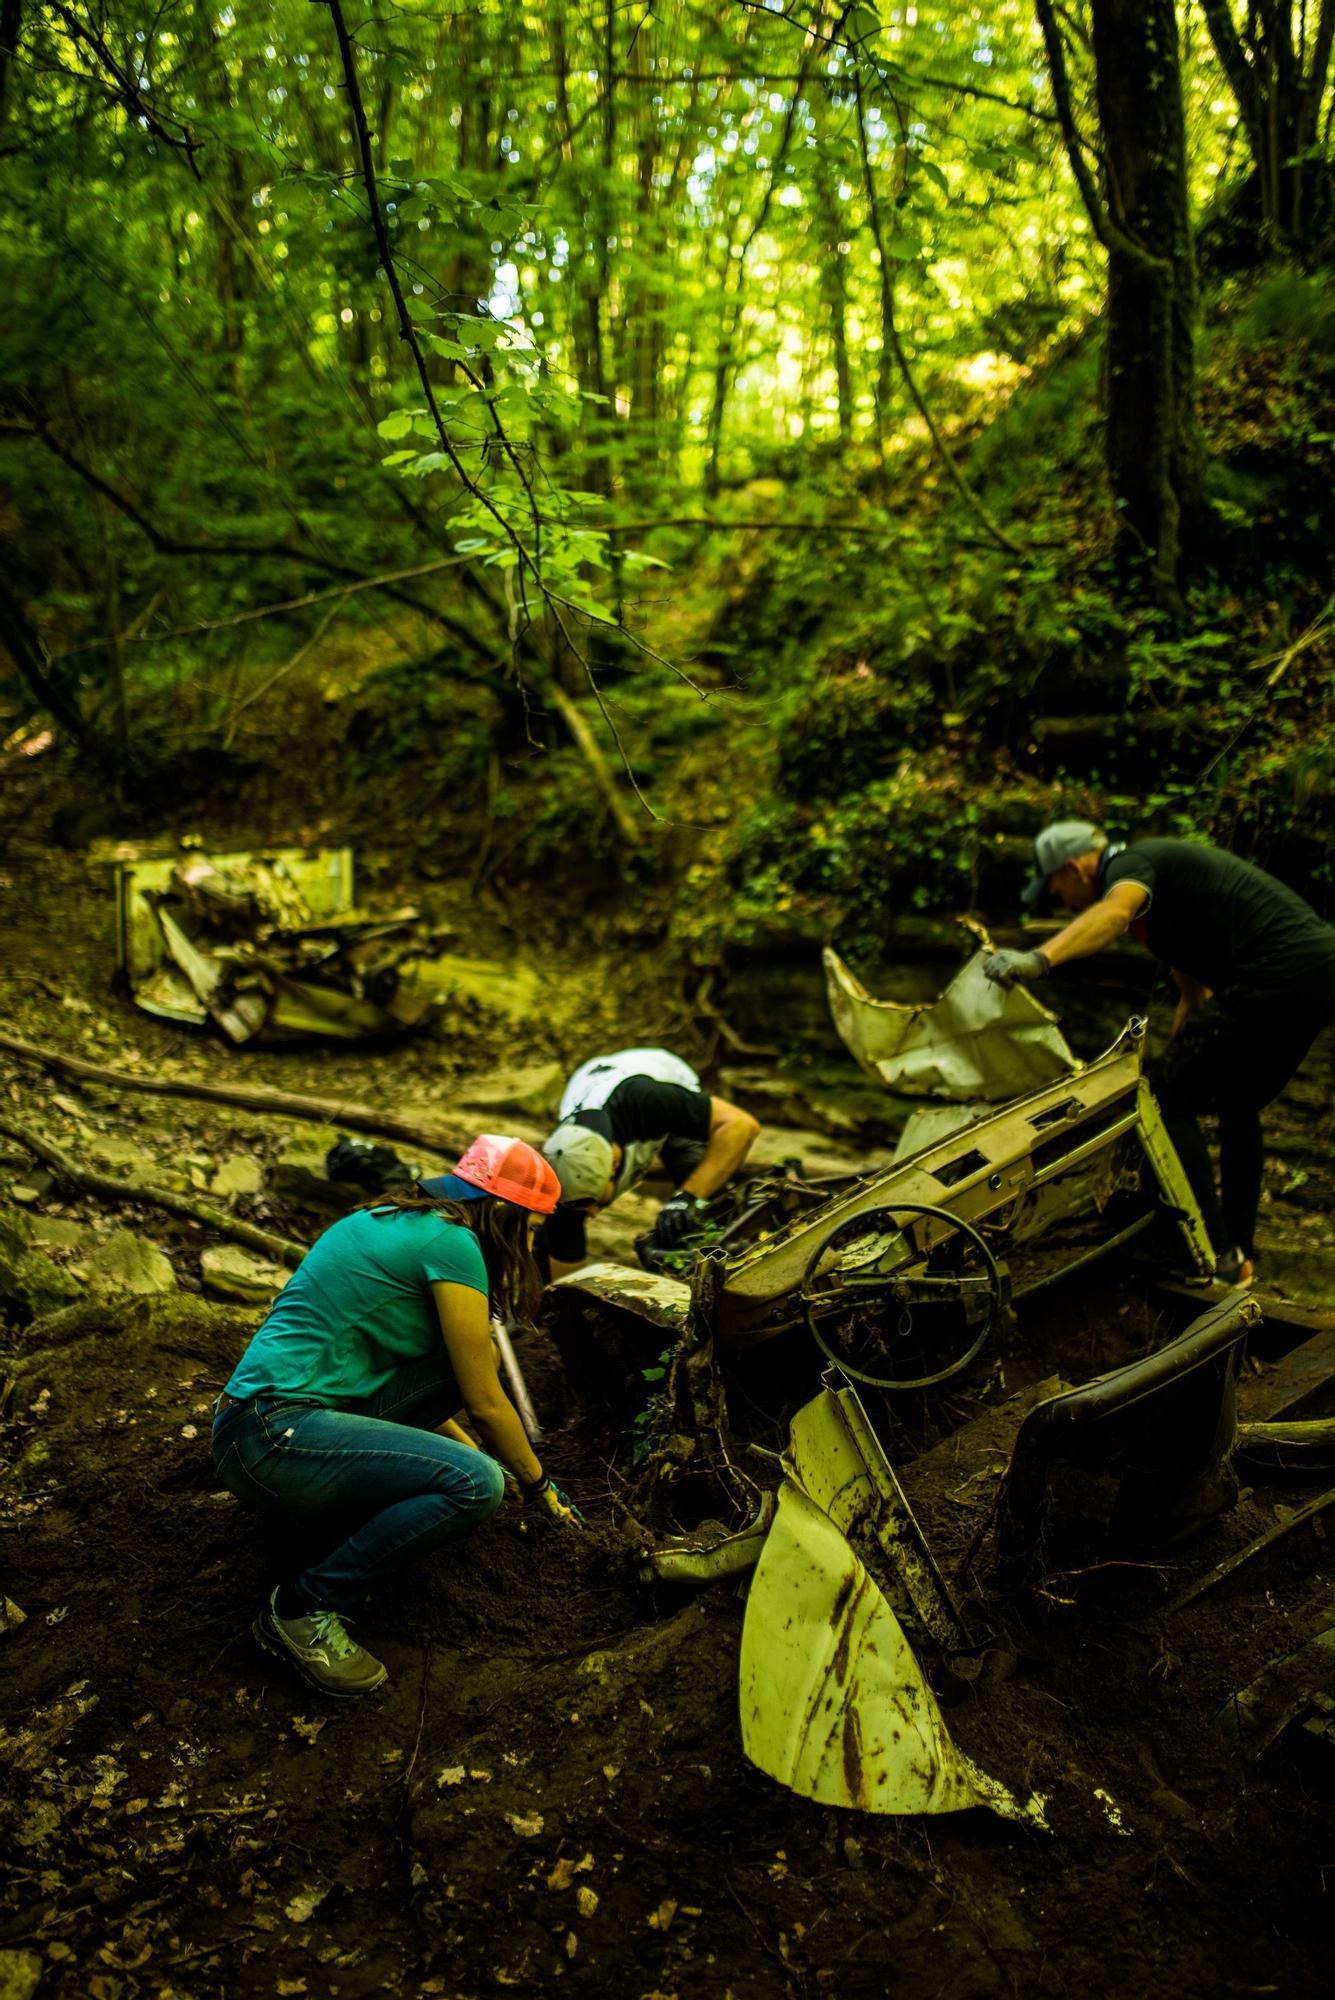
x,y
711,1553
901,1275
268,946
1290,1690
834,1703
891,1271
977,1043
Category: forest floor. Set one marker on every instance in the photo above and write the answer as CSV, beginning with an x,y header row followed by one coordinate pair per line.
x,y
551,1791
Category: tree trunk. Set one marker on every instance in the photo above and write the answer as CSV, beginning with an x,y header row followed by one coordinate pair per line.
x,y
11,26
1154,452
1279,80
834,298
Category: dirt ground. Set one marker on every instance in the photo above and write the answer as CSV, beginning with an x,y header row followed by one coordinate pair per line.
x,y
551,1792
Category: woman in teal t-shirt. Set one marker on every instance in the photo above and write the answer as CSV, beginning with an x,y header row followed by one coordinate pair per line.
x,y
345,1405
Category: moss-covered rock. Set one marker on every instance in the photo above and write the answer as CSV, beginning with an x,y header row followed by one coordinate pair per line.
x,y
30,1284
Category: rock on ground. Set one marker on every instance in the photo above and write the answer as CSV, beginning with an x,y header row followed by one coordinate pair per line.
x,y
129,1263
229,1272
30,1284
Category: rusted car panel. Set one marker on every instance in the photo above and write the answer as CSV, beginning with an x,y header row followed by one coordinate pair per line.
x,y
833,1702
976,1042
267,946
836,1458
1053,1153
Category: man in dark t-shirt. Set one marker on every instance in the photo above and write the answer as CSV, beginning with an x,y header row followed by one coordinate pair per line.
x,y
622,1115
1254,968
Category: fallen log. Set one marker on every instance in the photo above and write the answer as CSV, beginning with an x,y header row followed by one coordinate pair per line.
x,y
89,1181
428,1132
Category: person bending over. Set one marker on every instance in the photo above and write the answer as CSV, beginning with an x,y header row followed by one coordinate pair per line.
x,y
344,1409
623,1114
1254,968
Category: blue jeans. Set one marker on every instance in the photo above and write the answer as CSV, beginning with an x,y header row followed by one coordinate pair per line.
x,y
374,1467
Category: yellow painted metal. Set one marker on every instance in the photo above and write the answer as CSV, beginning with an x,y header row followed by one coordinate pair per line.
x,y
977,1041
320,879
1171,1176
833,1702
705,1557
992,1168
835,1456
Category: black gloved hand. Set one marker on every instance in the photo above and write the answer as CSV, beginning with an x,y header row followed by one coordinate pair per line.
x,y
677,1218
1011,968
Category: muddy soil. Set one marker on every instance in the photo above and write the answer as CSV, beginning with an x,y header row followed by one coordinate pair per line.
x,y
551,1791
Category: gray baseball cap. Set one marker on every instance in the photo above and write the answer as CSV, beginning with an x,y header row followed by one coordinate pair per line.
x,y
582,1160
1053,848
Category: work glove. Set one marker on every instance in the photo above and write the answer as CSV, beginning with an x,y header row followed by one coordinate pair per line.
x,y
1013,968
677,1218
551,1502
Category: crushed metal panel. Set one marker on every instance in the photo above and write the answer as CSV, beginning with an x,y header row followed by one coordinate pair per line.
x,y
300,1008
1285,1691
647,1295
977,1040
936,1121
243,1014
267,945
1001,1164
707,1556
322,880
1048,1155
833,1702
1181,1203
835,1456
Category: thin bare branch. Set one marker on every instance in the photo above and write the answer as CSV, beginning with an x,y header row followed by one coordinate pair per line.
x,y
182,140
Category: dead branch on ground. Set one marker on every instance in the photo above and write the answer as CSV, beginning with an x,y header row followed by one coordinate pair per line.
x,y
427,1132
87,1180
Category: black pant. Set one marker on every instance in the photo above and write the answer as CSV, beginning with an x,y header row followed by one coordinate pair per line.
x,y
1232,1057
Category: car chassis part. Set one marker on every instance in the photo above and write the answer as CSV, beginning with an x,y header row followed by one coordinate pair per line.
x,y
1058,1152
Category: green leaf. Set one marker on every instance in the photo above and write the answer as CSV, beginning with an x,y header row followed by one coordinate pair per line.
x,y
397,424
588,607
483,332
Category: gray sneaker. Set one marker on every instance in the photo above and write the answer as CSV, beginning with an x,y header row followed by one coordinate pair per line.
x,y
321,1650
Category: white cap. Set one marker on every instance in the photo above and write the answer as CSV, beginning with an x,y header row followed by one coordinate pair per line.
x,y
582,1159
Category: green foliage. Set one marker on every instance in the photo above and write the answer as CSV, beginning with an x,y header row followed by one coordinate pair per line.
x,y
906,842
1293,306
635,308
649,1426
852,726
417,728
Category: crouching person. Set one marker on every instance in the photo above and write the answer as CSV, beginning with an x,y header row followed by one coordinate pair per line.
x,y
345,1407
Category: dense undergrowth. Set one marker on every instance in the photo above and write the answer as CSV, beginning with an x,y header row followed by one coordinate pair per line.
x,y
883,703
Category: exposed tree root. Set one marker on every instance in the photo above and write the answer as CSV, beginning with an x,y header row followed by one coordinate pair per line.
x,y
251,1097
89,1181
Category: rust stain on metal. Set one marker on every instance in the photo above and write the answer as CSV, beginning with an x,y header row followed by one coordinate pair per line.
x,y
855,1776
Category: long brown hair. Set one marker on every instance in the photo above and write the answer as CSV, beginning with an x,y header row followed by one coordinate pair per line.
x,y
501,1228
